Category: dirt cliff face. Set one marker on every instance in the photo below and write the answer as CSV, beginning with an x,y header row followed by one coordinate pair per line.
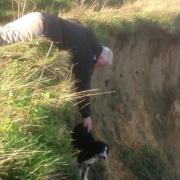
x,y
144,109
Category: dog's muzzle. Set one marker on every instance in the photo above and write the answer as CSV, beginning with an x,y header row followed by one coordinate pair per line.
x,y
103,155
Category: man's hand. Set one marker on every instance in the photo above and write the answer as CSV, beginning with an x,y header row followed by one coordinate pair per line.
x,y
87,123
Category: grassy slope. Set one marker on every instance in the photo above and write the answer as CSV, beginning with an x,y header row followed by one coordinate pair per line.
x,y
34,110
35,107
131,18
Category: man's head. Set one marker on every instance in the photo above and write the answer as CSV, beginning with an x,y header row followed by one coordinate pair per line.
x,y
105,58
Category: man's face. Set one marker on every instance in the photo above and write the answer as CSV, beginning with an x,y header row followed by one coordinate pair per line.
x,y
101,61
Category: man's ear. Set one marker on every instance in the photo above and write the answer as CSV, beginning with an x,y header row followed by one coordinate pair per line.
x,y
97,64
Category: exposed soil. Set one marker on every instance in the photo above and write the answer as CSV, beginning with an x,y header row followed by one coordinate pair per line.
x,y
145,107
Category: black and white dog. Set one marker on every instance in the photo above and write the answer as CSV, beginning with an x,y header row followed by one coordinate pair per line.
x,y
90,149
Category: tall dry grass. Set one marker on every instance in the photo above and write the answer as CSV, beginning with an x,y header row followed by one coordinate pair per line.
x,y
35,102
129,16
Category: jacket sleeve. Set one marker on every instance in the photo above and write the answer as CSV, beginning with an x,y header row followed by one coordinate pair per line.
x,y
97,48
82,84
84,99
84,72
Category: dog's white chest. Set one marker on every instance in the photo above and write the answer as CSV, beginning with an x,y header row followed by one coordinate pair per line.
x,y
91,161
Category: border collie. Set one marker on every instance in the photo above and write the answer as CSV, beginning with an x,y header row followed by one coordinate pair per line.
x,y
90,149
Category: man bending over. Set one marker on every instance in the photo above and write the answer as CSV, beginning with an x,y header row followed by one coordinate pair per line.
x,y
68,35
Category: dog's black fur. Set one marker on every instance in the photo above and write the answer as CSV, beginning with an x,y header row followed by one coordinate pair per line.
x,y
86,143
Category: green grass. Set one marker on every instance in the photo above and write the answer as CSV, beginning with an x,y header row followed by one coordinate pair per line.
x,y
11,9
147,163
131,18
107,21
35,106
36,95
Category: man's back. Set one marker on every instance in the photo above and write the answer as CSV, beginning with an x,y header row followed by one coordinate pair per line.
x,y
85,49
65,34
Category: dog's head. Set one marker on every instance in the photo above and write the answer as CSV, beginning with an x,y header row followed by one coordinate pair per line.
x,y
102,150
88,146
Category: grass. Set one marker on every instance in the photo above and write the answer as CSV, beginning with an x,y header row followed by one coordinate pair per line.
x,y
107,21
12,9
36,95
147,163
130,18
35,106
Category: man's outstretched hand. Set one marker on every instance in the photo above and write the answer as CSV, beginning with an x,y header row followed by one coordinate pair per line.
x,y
87,123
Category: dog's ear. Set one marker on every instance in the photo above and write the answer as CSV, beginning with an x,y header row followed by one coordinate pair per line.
x,y
81,137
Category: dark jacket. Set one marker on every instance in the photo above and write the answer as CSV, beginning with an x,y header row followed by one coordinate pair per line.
x,y
83,44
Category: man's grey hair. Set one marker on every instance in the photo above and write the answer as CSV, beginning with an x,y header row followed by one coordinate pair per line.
x,y
107,53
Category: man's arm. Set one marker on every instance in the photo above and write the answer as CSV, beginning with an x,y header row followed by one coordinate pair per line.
x,y
84,100
84,47
85,110
97,48
83,78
